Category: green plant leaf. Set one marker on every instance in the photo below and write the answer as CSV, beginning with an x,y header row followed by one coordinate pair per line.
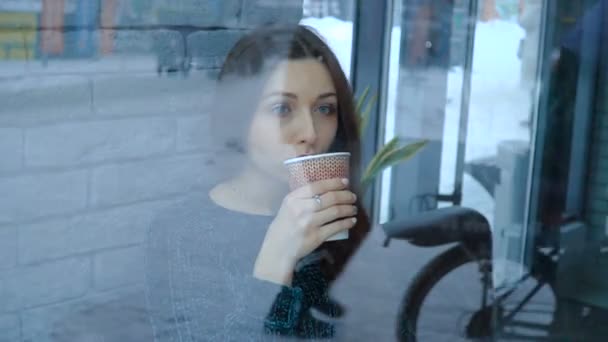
x,y
391,153
370,103
361,100
376,161
385,150
389,159
402,154
366,114
362,118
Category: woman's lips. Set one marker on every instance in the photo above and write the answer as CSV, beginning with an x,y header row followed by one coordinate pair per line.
x,y
305,155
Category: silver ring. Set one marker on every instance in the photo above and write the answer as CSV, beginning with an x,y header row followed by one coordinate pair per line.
x,y
317,199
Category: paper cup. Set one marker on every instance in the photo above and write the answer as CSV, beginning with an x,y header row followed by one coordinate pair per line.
x,y
310,169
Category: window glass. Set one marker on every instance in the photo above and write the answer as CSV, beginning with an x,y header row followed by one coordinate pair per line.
x,y
116,134
158,155
509,95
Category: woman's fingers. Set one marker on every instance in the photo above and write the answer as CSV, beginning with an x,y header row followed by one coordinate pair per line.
x,y
328,200
333,213
332,198
336,227
320,187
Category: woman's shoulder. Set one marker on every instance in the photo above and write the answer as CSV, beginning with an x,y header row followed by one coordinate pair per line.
x,y
195,210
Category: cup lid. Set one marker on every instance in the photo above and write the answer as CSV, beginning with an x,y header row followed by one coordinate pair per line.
x,y
316,156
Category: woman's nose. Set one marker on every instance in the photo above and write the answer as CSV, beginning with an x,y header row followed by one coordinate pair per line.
x,y
305,129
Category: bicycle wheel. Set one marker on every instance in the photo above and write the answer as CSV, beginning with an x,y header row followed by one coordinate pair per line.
x,y
450,300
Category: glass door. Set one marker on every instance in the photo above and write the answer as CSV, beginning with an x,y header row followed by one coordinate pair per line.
x,y
464,75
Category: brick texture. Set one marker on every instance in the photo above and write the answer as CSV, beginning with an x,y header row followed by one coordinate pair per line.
x,y
94,148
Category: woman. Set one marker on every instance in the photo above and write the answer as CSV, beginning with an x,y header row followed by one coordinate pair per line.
x,y
248,259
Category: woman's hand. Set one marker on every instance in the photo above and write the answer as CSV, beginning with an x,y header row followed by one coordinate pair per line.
x,y
302,224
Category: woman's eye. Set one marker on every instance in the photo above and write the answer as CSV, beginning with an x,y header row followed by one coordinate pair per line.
x,y
281,109
328,109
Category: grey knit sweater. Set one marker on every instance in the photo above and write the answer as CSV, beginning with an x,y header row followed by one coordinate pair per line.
x,y
199,283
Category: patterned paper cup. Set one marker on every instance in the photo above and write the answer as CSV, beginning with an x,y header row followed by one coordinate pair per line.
x,y
310,169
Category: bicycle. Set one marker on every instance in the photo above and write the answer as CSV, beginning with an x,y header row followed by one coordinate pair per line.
x,y
506,314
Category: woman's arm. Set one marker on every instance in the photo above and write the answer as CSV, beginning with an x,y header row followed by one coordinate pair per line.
x,y
273,268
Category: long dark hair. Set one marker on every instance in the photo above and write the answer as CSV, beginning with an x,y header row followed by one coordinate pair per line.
x,y
248,65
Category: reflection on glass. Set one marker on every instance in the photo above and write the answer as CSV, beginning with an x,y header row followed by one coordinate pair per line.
x,y
517,111
251,253
106,123
488,89
334,21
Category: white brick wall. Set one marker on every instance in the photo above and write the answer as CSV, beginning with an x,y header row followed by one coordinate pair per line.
x,y
263,12
33,196
66,92
89,232
46,283
10,328
194,134
84,183
11,149
91,153
98,141
222,41
132,96
150,179
8,247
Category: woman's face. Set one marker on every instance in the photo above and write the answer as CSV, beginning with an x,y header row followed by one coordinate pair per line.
x,y
297,115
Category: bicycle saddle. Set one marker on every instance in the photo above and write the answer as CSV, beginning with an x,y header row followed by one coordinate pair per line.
x,y
440,226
